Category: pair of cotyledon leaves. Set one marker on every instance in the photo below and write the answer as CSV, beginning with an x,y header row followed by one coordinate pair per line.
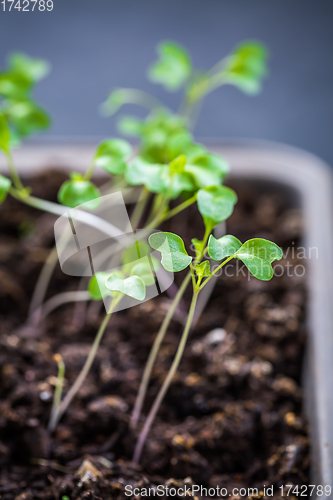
x,y
23,72
23,115
138,264
198,171
5,145
163,136
201,170
244,67
104,284
111,155
77,191
257,254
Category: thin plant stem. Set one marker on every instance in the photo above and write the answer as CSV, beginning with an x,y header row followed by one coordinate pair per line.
x,y
49,266
90,170
60,410
154,352
43,281
57,301
160,337
215,271
179,208
161,209
157,201
59,384
166,384
32,201
139,208
134,96
13,172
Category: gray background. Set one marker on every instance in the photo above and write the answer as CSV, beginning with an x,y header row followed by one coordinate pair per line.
x,y
95,45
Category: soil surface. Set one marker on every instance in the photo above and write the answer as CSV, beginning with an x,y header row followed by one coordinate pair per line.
x,y
233,415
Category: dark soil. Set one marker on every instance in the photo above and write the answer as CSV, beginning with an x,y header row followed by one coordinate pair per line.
x,y
233,415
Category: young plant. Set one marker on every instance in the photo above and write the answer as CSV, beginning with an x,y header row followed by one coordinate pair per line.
x,y
129,282
257,254
169,166
23,115
244,68
215,205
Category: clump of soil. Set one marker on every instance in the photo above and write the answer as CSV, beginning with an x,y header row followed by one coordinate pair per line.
x,y
233,415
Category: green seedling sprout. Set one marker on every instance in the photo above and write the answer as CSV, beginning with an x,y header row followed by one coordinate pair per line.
x,y
257,254
244,68
17,83
115,285
169,166
164,136
59,383
215,205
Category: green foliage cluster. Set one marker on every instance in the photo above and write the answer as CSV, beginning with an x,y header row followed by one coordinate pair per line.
x,y
174,172
257,254
131,280
23,115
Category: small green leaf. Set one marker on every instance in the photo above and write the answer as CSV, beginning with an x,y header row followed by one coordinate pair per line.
x,y
203,269
216,204
34,69
27,117
144,271
133,286
140,172
5,184
111,155
208,169
120,96
157,178
223,247
173,67
129,125
14,85
181,142
174,255
156,131
246,67
179,183
78,191
177,166
4,134
96,287
258,255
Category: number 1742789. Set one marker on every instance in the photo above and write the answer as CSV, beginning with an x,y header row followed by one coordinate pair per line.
x,y
27,5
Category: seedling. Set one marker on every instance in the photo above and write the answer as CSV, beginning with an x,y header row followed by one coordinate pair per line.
x,y
173,172
244,68
257,254
115,285
23,115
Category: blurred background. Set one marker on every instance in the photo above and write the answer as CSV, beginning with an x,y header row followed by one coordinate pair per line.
x,y
96,45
